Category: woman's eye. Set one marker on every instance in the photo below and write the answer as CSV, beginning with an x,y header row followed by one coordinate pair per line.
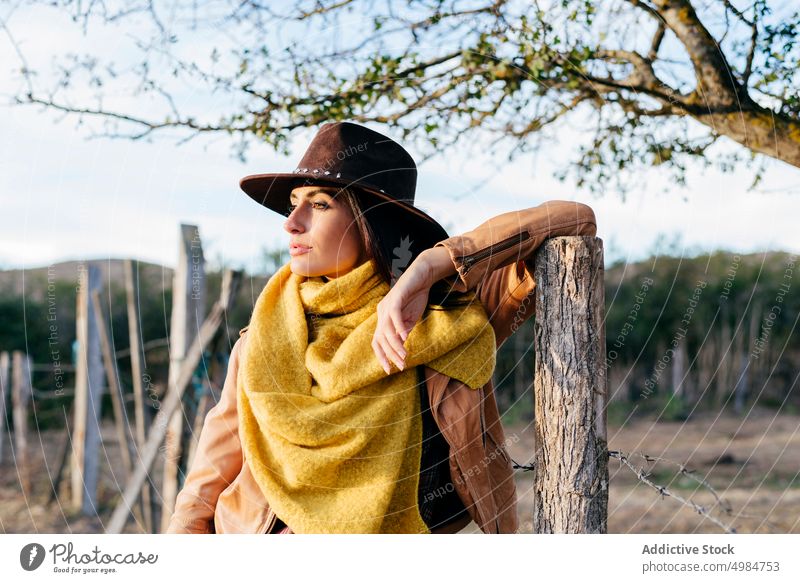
x,y
320,205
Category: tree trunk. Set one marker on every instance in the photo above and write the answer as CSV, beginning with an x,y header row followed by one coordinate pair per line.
x,y
724,364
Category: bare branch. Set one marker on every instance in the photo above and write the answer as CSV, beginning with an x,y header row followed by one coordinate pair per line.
x,y
739,14
658,37
24,69
321,9
647,8
540,122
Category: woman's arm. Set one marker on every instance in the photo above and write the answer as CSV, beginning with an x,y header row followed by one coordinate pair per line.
x,y
217,460
495,259
507,239
439,263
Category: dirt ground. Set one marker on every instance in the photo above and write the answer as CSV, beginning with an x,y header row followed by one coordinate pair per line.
x,y
753,463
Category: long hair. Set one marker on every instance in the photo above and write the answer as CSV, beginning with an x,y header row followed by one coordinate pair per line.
x,y
387,241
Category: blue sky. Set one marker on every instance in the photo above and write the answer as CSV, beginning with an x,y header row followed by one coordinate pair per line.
x,y
65,197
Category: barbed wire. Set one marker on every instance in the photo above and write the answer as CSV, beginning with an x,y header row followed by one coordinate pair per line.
x,y
664,491
643,476
723,504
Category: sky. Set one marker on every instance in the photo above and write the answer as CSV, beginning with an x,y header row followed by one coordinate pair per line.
x,y
66,197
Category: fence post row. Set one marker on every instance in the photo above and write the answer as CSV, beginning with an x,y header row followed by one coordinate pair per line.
x,y
172,401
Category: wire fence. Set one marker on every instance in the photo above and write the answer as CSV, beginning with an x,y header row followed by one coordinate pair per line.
x,y
643,475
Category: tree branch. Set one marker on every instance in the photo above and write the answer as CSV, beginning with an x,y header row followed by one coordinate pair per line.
x,y
716,84
658,38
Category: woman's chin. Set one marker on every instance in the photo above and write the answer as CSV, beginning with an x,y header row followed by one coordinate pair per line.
x,y
301,266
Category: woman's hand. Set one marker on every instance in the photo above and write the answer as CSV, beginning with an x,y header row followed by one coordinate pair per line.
x,y
400,310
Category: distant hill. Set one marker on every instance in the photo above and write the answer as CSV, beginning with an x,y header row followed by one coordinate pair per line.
x,y
33,281
38,304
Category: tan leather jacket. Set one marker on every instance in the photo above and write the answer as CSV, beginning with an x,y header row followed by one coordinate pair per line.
x,y
496,259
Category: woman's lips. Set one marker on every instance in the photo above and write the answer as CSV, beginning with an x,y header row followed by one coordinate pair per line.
x,y
298,250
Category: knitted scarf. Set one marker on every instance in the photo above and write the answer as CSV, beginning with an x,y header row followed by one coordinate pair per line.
x,y
333,441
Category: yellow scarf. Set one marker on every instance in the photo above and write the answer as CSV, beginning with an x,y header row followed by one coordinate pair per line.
x,y
333,442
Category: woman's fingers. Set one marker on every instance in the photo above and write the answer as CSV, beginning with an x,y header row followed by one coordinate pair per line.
x,y
397,356
398,313
380,355
395,337
385,354
387,343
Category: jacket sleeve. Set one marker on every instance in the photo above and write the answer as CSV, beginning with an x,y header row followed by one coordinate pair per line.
x,y
496,258
216,463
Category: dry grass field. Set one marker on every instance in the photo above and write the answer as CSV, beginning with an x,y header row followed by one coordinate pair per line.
x,y
752,463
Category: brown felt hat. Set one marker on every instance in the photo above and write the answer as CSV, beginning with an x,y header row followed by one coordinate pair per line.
x,y
351,155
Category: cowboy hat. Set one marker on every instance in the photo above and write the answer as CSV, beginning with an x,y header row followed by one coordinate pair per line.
x,y
346,154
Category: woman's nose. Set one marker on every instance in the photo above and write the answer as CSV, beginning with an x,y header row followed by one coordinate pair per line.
x,y
294,223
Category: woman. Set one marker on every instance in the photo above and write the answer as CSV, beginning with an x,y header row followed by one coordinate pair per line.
x,y
359,398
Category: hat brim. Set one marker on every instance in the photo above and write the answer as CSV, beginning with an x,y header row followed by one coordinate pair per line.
x,y
272,191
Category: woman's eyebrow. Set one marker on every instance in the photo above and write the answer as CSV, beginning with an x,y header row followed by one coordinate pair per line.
x,y
293,196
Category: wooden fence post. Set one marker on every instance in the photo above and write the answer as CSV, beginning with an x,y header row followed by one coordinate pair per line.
x,y
216,370
137,373
5,392
88,393
188,313
114,386
570,385
20,398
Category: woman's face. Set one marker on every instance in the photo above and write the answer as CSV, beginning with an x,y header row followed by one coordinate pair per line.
x,y
324,236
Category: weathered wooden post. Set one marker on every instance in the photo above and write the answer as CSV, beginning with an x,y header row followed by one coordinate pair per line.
x,y
188,313
88,392
216,370
5,391
114,386
21,390
137,374
570,386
